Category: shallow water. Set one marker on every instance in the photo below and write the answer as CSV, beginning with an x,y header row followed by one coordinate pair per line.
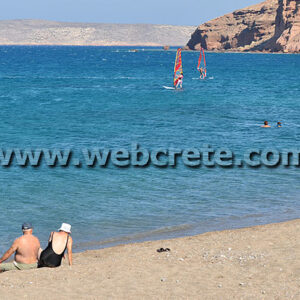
x,y
77,97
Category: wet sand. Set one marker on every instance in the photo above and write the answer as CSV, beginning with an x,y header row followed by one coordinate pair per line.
x,y
260,262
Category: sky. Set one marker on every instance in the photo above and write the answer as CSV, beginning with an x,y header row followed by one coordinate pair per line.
x,y
174,12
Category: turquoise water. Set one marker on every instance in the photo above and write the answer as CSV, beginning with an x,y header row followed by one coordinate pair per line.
x,y
86,97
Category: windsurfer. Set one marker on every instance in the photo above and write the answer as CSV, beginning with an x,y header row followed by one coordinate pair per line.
x,y
202,73
202,64
179,81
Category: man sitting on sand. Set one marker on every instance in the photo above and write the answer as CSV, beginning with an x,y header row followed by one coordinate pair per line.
x,y
26,250
266,125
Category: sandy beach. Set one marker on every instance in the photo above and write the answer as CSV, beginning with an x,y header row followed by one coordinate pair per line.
x,y
260,262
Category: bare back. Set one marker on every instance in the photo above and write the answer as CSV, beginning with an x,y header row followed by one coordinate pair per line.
x,y
59,242
27,247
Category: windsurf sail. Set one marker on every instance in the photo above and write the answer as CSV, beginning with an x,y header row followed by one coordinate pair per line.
x,y
200,64
177,67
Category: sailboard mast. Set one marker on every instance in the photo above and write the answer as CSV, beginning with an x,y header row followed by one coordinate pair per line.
x,y
202,55
177,67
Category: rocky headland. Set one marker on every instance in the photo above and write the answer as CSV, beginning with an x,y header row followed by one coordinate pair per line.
x,y
270,26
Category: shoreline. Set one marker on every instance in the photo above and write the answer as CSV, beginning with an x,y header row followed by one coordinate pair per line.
x,y
252,262
182,231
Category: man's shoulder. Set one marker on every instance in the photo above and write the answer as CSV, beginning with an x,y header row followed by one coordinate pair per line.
x,y
36,238
17,242
18,239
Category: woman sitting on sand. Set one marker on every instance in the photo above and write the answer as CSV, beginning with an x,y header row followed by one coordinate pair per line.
x,y
58,243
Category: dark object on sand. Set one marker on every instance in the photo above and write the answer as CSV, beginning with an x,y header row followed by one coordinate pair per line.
x,y
163,250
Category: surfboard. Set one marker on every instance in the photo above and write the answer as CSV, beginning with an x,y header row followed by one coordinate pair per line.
x,y
168,88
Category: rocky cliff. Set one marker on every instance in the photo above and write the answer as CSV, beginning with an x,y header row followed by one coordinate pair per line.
x,y
287,26
39,32
271,26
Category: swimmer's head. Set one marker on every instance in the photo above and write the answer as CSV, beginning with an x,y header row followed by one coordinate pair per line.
x,y
266,122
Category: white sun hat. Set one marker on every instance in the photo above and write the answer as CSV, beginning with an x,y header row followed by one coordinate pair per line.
x,y
65,227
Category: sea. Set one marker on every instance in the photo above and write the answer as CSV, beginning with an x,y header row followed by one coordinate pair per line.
x,y
57,97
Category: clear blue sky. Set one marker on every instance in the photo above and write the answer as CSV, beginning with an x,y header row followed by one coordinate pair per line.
x,y
186,12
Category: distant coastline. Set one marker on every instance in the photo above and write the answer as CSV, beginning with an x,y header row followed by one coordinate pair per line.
x,y
233,32
41,32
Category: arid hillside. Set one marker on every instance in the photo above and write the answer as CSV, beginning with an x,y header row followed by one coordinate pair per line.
x,y
39,32
271,26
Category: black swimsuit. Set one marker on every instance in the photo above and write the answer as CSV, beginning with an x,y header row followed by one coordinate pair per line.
x,y
49,258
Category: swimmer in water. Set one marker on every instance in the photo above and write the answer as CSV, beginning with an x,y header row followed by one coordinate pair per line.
x,y
279,124
266,125
179,82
